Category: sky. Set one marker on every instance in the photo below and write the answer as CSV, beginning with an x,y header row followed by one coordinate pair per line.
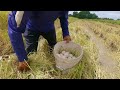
x,y
105,14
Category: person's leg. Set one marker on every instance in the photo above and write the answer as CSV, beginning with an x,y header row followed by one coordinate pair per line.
x,y
51,38
31,40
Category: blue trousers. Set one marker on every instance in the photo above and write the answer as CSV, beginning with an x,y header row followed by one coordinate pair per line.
x,y
32,38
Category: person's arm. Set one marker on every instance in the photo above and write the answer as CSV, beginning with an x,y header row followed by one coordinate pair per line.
x,y
16,26
64,25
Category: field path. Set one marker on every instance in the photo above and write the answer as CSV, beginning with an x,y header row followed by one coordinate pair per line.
x,y
107,63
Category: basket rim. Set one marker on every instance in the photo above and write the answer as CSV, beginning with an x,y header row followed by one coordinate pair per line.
x,y
80,56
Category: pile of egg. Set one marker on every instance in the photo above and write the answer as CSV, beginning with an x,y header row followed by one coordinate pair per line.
x,y
66,55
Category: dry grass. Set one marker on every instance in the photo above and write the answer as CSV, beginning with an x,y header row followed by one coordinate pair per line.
x,y
5,46
42,64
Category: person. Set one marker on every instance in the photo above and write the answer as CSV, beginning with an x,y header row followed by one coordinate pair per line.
x,y
33,24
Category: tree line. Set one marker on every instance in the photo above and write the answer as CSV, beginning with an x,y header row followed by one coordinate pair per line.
x,y
86,15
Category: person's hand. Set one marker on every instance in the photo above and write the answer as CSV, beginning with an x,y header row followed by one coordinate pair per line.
x,y
23,66
67,39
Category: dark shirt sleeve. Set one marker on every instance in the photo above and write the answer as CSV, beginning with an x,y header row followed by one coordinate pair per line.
x,y
15,33
64,23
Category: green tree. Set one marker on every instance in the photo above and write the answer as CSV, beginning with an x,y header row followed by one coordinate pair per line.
x,y
75,14
85,15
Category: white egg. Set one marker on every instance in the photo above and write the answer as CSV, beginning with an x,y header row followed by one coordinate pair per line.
x,y
70,55
58,55
66,54
73,57
63,57
69,58
0,57
63,52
